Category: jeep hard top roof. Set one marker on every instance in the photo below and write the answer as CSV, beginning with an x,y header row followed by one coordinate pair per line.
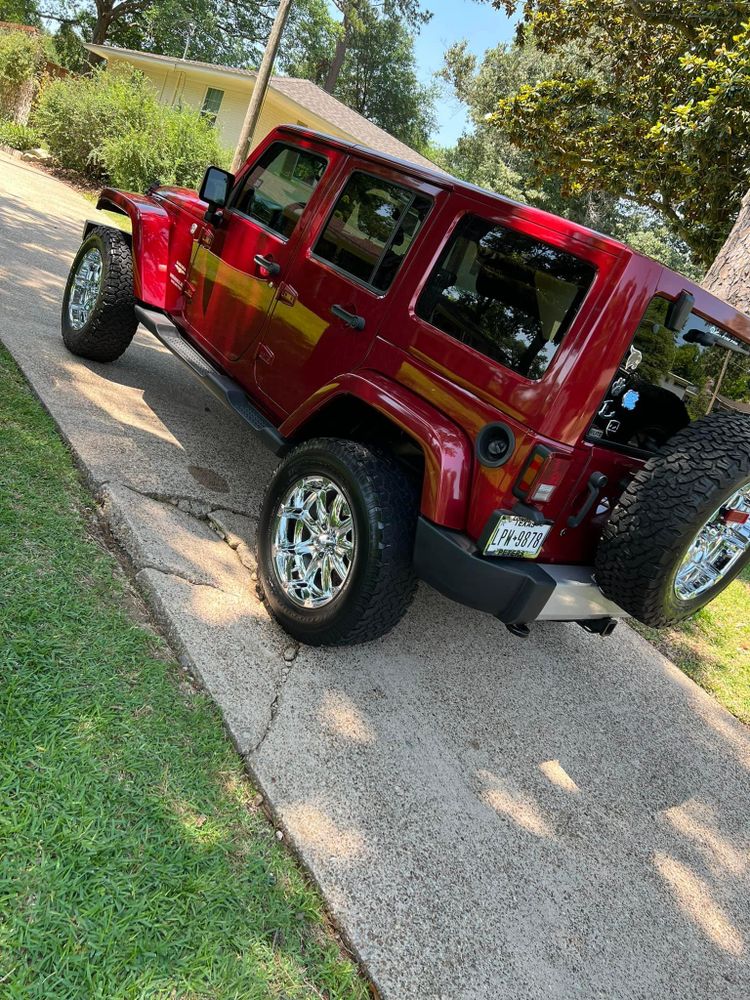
x,y
670,283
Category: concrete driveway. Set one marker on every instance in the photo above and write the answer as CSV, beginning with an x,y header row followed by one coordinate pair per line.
x,y
562,817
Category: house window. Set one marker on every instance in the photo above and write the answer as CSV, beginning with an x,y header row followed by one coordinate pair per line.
x,y
212,103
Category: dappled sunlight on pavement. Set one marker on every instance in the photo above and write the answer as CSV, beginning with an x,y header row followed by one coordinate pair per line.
x,y
694,898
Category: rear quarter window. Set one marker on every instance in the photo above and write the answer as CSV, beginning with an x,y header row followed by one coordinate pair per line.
x,y
507,295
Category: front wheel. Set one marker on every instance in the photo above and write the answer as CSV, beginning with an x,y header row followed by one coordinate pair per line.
x,y
98,318
335,541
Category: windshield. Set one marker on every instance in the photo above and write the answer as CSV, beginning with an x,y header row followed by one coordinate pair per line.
x,y
669,378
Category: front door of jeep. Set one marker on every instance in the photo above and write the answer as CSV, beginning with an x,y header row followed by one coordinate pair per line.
x,y
333,297
237,264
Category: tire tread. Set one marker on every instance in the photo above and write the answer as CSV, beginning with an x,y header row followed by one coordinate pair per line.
x,y
646,531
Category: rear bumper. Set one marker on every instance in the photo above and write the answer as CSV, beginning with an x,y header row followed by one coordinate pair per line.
x,y
514,590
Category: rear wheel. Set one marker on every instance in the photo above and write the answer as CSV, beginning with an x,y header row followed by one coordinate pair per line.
x,y
98,319
335,542
680,532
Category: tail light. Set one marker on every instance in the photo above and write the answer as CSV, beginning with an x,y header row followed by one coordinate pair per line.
x,y
541,474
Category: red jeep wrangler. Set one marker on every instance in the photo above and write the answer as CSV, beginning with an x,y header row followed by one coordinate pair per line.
x,y
535,419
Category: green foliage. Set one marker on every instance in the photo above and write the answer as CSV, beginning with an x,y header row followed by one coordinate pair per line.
x,y
657,112
309,41
378,77
17,136
22,57
69,51
20,12
135,862
110,125
379,80
486,156
76,115
173,145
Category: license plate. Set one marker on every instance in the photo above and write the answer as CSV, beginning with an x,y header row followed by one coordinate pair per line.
x,y
515,536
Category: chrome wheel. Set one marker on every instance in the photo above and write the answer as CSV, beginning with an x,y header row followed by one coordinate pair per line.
x,y
717,547
313,542
84,289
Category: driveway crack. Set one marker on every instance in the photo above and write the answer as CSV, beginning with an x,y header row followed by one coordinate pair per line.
x,y
184,576
195,506
290,654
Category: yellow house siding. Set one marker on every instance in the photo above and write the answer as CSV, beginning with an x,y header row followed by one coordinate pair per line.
x,y
177,81
232,115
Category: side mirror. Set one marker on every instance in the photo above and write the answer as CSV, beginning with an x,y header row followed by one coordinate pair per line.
x,y
215,188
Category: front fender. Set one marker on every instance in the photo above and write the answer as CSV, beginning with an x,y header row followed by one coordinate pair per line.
x,y
151,226
447,451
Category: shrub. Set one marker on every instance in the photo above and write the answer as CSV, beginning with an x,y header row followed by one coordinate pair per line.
x,y
22,57
175,145
22,60
110,125
75,115
17,136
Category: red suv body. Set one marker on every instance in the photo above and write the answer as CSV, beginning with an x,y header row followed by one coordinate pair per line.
x,y
337,291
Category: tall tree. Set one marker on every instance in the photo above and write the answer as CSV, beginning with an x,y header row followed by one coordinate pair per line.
x,y
309,41
354,16
485,155
378,77
222,30
658,115
379,80
729,275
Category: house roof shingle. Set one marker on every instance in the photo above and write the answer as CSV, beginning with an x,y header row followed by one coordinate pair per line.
x,y
304,93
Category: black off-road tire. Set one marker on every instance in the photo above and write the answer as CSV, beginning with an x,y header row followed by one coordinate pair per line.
x,y
663,509
383,499
112,323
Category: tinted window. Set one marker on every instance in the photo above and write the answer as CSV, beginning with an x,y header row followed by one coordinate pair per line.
x,y
278,187
371,229
505,294
669,378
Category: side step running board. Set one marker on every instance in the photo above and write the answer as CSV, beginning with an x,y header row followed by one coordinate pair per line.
x,y
225,388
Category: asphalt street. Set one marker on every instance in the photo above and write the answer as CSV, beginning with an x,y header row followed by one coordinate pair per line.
x,y
562,817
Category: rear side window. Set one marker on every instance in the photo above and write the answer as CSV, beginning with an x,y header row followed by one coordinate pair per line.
x,y
277,188
371,229
507,295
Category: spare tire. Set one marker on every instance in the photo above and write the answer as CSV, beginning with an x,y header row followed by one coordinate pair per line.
x,y
671,544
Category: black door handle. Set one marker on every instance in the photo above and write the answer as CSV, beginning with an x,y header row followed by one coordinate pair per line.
x,y
351,319
267,264
597,482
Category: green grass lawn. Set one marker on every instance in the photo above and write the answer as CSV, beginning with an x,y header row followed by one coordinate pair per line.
x,y
713,647
133,862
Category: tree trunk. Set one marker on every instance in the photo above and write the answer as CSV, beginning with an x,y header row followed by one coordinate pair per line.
x,y
334,69
729,275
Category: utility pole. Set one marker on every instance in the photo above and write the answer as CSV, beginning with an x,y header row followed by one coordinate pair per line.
x,y
261,86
